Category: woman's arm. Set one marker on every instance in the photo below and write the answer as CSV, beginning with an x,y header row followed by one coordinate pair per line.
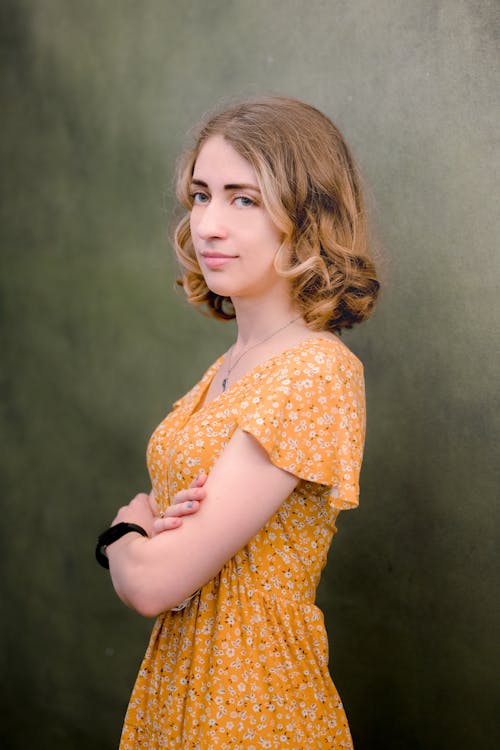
x,y
244,489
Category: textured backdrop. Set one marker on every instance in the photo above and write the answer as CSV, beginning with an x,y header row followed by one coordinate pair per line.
x,y
96,343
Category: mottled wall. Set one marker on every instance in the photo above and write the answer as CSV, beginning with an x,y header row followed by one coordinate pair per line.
x,y
96,98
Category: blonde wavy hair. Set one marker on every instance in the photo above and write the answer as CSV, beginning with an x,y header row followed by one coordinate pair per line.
x,y
312,189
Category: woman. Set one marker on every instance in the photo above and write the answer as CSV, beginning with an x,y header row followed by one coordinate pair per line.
x,y
263,453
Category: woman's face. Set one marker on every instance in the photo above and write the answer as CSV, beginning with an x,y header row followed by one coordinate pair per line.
x,y
233,234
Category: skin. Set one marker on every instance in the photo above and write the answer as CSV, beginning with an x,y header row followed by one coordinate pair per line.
x,y
184,503
228,219
154,574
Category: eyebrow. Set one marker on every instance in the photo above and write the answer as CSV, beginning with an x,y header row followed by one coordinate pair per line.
x,y
230,185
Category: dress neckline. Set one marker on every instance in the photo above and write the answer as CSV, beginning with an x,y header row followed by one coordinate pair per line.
x,y
200,404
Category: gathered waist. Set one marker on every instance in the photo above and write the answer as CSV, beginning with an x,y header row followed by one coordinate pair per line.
x,y
246,593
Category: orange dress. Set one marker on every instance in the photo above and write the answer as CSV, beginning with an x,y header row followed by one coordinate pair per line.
x,y
244,664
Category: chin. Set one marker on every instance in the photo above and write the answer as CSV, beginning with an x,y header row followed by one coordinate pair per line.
x,y
220,285
223,290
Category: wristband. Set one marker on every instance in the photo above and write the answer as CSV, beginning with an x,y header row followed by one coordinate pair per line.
x,y
112,535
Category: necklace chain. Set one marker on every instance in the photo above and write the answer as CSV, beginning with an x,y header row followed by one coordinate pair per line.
x,y
231,367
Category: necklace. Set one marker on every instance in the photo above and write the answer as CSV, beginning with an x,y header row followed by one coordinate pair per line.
x,y
230,367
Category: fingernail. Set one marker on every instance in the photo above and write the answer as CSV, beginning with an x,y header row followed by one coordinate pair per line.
x,y
190,504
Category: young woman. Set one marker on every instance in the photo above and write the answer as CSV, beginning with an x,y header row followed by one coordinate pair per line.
x,y
263,453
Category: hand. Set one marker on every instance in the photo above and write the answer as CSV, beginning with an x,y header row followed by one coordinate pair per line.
x,y
139,511
184,503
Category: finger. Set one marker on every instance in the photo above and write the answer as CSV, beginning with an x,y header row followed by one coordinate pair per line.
x,y
181,509
165,524
200,479
184,496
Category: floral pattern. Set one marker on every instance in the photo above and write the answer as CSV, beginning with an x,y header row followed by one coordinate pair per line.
x,y
245,663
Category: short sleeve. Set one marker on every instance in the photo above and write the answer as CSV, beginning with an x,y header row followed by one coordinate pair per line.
x,y
307,411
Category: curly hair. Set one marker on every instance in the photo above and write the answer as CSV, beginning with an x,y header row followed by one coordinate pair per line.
x,y
312,189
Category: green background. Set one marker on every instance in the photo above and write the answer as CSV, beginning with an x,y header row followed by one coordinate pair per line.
x,y
96,343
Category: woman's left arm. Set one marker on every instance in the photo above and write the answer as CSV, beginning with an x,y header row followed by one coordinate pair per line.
x,y
244,489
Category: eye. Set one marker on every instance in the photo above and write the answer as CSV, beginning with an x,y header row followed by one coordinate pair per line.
x,y
244,201
199,198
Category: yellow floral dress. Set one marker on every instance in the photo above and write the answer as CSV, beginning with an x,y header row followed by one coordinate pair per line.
x,y
244,664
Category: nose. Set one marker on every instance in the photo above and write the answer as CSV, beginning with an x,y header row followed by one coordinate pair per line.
x,y
207,220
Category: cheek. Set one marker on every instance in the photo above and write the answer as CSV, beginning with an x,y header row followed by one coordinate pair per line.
x,y
192,225
193,230
274,234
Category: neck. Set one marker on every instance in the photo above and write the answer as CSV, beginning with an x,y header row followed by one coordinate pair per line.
x,y
257,319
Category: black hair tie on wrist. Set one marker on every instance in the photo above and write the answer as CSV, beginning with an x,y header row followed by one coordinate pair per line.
x,y
112,535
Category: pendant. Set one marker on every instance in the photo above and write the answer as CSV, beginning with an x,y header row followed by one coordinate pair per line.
x,y
224,384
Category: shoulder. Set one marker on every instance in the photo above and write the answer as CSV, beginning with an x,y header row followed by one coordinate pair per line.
x,y
331,349
316,357
306,409
316,371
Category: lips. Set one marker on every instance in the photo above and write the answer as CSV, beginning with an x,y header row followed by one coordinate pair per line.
x,y
215,259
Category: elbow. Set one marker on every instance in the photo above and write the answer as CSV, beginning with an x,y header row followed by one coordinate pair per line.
x,y
140,597
151,603
148,603
148,593
151,608
154,604
147,609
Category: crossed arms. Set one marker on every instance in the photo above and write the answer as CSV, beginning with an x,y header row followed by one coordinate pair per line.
x,y
243,491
